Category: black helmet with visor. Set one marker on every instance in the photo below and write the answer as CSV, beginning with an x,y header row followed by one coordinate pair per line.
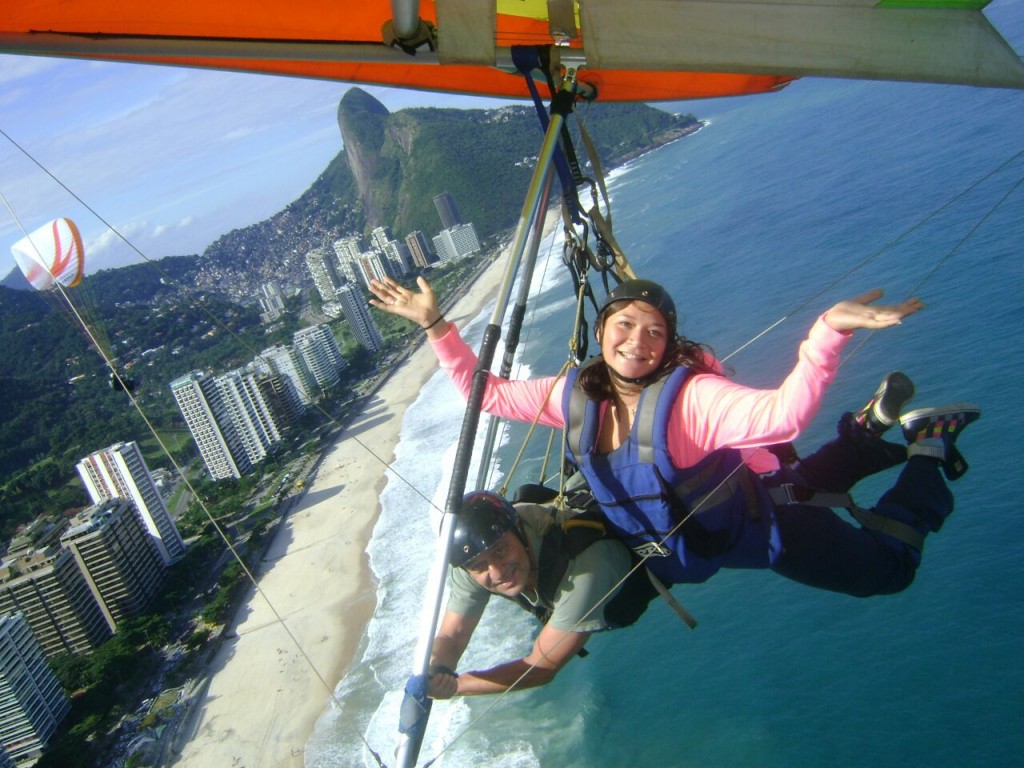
x,y
482,520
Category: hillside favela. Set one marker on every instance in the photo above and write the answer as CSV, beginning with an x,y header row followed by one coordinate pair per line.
x,y
142,496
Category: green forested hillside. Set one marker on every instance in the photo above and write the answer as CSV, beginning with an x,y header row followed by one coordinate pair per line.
x,y
159,320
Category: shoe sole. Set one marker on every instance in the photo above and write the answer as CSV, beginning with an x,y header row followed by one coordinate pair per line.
x,y
952,410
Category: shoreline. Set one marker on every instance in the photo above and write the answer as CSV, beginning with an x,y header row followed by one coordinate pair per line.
x,y
293,639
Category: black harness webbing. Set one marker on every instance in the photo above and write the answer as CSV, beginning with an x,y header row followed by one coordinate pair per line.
x,y
789,493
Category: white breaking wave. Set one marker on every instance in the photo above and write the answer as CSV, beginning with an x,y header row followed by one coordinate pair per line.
x,y
401,551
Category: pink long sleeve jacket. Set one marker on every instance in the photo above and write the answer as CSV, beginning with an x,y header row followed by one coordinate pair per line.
x,y
710,412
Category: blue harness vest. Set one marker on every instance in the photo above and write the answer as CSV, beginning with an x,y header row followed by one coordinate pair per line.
x,y
727,512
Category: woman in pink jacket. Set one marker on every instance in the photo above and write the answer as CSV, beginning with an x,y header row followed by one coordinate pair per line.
x,y
658,432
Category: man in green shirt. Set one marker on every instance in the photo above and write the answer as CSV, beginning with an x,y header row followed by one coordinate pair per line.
x,y
570,579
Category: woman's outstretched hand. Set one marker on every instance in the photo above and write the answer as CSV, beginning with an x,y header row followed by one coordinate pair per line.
x,y
418,306
857,313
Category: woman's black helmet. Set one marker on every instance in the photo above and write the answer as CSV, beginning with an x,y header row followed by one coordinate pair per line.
x,y
483,519
646,291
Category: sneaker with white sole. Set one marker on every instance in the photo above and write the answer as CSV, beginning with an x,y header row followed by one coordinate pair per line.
x,y
933,432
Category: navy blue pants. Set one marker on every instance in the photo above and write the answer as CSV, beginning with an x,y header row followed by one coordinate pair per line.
x,y
824,550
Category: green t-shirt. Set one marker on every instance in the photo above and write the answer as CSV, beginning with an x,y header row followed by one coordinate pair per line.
x,y
588,583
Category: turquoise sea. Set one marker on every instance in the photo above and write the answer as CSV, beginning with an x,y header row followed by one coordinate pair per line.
x,y
780,206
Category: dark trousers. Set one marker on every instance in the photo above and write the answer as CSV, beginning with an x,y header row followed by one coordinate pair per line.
x,y
824,550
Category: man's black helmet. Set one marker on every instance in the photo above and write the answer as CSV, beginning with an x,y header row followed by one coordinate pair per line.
x,y
483,519
647,291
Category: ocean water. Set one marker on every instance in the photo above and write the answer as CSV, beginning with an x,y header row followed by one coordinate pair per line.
x,y
781,206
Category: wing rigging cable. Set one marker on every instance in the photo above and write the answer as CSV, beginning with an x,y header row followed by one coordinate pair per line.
x,y
581,263
559,500
526,240
607,260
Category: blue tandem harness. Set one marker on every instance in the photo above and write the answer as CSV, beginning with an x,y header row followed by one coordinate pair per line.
x,y
688,523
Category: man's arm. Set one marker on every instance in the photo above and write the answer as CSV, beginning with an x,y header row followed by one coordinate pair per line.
x,y
551,651
449,645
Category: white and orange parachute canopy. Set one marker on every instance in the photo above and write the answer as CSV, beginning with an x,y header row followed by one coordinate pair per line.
x,y
52,254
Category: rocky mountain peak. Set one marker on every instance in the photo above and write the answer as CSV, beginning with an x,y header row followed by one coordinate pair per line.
x,y
363,122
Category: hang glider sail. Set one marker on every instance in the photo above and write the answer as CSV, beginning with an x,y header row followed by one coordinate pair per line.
x,y
51,255
629,50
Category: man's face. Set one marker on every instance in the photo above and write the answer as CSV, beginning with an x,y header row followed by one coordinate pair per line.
x,y
504,568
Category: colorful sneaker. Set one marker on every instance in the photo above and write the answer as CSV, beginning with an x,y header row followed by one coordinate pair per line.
x,y
933,432
883,409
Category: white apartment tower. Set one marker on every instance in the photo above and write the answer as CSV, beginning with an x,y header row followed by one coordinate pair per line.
x,y
248,416
456,242
325,276
120,472
379,239
348,250
32,702
198,398
399,257
396,254
319,351
357,312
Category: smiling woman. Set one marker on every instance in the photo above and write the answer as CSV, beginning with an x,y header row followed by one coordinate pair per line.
x,y
655,429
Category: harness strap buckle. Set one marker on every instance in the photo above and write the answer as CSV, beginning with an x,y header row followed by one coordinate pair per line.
x,y
792,493
892,528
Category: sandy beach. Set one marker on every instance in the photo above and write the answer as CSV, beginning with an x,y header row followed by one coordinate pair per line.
x,y
270,682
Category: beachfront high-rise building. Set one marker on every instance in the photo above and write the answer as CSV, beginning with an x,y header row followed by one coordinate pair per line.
x,y
280,396
199,401
120,472
50,590
319,351
397,259
285,361
348,250
419,249
357,312
373,266
400,258
456,242
448,211
248,417
379,239
325,276
121,563
32,702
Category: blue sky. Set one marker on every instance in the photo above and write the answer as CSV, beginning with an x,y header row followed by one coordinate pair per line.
x,y
174,158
